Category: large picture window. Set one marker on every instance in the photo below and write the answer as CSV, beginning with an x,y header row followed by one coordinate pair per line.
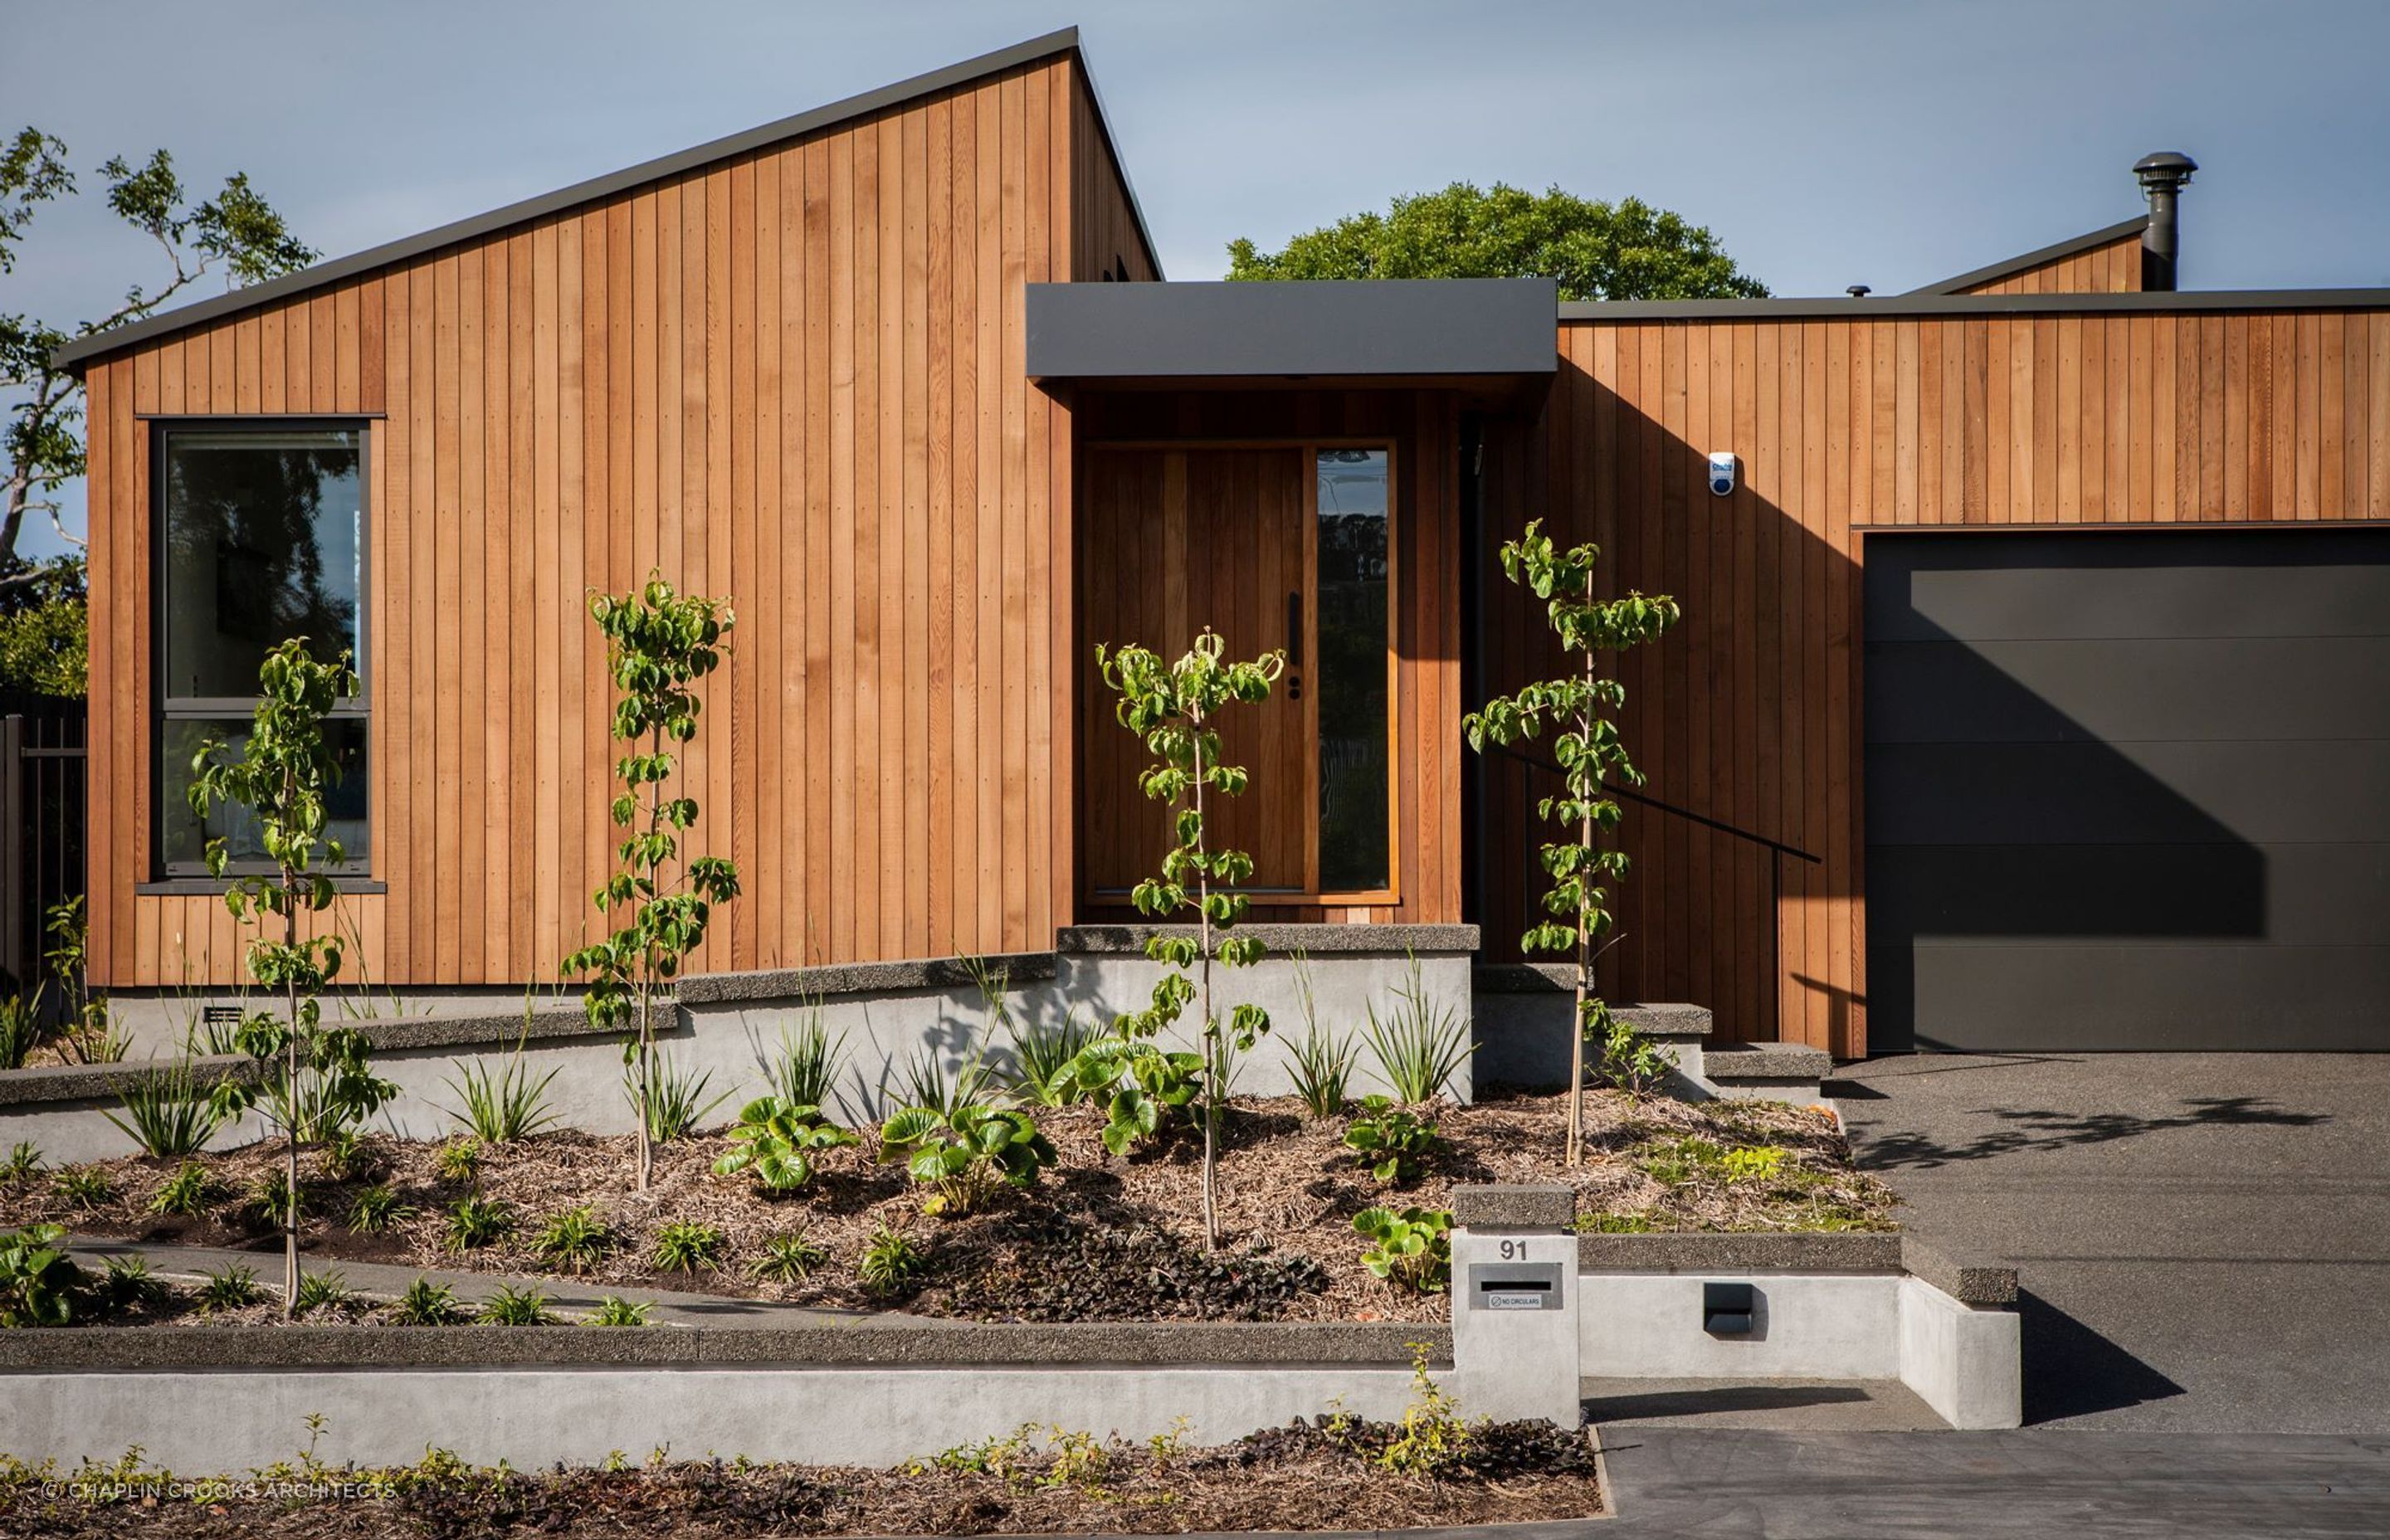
x,y
261,538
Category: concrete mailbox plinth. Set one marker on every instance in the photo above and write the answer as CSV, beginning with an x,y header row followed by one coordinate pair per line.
x,y
1514,1303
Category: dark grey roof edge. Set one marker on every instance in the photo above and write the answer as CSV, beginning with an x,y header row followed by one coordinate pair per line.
x,y
1063,41
1833,308
1994,271
925,1343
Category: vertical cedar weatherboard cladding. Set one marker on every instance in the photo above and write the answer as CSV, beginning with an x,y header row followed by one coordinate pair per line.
x,y
2112,267
795,377
1749,711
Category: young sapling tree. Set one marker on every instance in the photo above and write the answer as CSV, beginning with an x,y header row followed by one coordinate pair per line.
x,y
1172,708
1577,706
317,1083
659,644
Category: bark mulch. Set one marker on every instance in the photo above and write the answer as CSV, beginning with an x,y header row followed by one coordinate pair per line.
x,y
1099,1238
1321,1474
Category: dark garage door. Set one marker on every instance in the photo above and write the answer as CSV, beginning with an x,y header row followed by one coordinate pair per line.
x,y
2129,789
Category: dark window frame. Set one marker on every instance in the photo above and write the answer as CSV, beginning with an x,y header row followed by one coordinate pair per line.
x,y
356,867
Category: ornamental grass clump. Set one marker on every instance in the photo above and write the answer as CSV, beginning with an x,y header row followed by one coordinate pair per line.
x,y
688,1247
1422,1044
503,1103
168,1112
615,1311
787,1258
508,1305
574,1239
427,1304
475,1224
1588,752
659,643
231,1287
1174,709
190,1192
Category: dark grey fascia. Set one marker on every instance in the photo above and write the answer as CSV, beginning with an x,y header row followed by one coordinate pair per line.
x,y
1065,40
2054,253
1341,330
1837,308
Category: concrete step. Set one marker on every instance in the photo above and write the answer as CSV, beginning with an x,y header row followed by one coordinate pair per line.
x,y
1523,1011
1781,1072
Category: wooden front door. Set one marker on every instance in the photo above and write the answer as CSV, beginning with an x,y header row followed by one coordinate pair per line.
x,y
1174,540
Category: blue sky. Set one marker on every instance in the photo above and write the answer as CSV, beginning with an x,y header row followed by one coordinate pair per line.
x,y
1827,142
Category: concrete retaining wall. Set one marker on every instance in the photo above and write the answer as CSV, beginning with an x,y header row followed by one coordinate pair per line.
x,y
728,1026
848,1416
864,1396
1825,1306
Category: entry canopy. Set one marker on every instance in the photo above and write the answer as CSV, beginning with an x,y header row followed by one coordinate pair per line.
x,y
1487,332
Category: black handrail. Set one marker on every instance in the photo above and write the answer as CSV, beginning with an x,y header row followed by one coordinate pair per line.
x,y
1701,818
1776,849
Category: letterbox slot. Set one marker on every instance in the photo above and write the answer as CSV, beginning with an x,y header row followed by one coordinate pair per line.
x,y
1514,1286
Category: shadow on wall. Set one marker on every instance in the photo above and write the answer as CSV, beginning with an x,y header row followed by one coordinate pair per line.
x,y
1997,820
1725,718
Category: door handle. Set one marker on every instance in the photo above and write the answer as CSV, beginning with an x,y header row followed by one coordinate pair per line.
x,y
1294,644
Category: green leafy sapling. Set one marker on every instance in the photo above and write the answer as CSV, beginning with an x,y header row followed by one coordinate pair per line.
x,y
1172,708
1578,708
317,1083
659,645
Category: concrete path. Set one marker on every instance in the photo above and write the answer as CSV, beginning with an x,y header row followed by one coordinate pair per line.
x,y
2203,1240
383,1282
1761,1485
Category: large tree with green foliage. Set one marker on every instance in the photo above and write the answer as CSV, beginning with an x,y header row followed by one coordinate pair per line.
x,y
1623,251
45,632
235,232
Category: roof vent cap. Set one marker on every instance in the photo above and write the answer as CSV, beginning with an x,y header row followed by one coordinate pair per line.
x,y
2165,169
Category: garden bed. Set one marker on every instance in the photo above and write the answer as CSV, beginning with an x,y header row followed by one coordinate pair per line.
x,y
1321,1474
1099,1238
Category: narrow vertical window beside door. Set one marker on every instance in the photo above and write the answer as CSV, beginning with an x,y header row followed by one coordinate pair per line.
x,y
1351,673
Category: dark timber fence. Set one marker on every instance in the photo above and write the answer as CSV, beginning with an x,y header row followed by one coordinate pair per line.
x,y
40,823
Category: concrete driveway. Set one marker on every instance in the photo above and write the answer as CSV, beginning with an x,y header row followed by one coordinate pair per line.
x,y
2203,1240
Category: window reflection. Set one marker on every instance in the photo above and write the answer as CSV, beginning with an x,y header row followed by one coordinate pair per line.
x,y
262,544
1350,675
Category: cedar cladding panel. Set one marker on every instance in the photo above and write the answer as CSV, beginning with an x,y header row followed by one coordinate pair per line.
x,y
1749,711
1423,428
2113,268
794,378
